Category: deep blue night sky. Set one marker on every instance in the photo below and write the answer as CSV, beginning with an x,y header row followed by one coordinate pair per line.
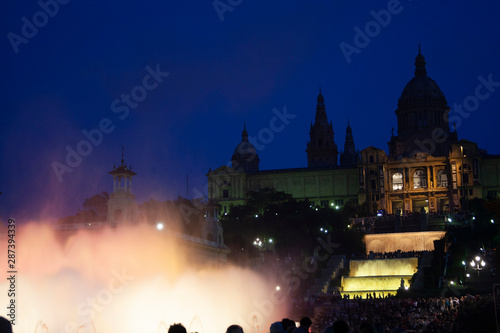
x,y
263,55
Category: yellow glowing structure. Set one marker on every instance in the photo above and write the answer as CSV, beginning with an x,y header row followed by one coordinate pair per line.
x,y
379,276
405,241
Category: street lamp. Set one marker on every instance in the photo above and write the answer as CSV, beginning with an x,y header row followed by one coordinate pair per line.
x,y
478,264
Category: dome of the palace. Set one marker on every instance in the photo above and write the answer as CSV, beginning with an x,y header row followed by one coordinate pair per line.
x,y
421,90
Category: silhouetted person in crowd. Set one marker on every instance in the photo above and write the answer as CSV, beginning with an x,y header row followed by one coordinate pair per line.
x,y
177,328
5,326
340,326
288,325
234,329
305,323
282,326
277,327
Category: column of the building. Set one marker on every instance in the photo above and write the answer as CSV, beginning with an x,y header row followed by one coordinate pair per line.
x,y
383,189
431,200
428,176
233,181
407,205
388,189
241,193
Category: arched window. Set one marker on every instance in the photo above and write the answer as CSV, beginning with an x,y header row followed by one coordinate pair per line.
x,y
419,179
397,181
442,178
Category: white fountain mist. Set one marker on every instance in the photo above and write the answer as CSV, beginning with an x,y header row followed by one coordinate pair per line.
x,y
128,279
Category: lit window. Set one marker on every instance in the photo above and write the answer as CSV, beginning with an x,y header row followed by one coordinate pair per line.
x,y
442,178
419,179
397,181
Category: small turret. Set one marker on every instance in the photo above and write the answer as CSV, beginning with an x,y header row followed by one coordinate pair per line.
x,y
121,204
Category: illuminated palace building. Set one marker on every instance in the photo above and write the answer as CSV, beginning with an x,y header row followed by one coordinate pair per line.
x,y
427,168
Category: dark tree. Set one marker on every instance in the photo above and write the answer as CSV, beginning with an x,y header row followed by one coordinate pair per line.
x,y
97,206
292,225
95,209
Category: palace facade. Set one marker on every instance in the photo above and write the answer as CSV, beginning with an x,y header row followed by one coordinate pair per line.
x,y
426,167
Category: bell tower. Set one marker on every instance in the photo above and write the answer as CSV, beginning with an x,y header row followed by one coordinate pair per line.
x,y
122,207
321,149
349,157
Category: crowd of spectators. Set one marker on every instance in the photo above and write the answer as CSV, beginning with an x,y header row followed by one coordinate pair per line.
x,y
397,254
368,224
376,315
382,315
385,315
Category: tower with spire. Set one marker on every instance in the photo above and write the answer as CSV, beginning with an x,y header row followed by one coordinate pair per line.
x,y
349,157
122,207
321,148
427,168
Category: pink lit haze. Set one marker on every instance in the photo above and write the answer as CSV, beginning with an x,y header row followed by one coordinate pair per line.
x,y
129,279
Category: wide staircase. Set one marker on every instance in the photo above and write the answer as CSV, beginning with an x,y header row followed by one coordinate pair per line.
x,y
425,263
332,269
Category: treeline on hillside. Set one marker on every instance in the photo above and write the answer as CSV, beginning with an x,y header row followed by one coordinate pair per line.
x,y
286,226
